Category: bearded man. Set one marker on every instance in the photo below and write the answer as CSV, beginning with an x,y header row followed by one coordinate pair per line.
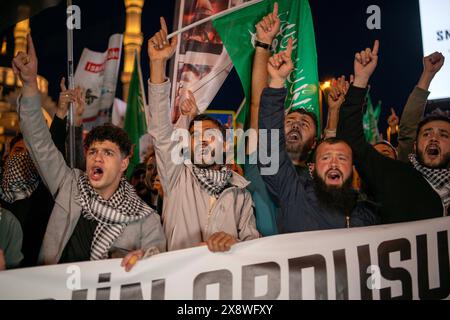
x,y
205,202
325,202
410,191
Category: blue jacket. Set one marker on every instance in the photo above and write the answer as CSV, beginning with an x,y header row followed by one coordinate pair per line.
x,y
300,207
266,211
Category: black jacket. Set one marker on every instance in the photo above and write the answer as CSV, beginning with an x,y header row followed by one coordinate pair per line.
x,y
401,191
300,207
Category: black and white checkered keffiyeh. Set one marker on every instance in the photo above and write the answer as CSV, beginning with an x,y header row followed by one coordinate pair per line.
x,y
439,179
213,181
19,179
112,215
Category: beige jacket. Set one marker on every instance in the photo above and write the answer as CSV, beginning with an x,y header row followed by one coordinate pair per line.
x,y
411,116
190,215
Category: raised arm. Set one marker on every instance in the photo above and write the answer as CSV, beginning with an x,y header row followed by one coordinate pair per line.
x,y
336,98
283,182
415,106
350,127
370,164
58,128
48,160
266,30
392,133
265,209
160,50
188,110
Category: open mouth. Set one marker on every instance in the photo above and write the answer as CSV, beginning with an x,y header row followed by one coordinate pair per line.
x,y
293,136
202,150
96,173
433,151
334,176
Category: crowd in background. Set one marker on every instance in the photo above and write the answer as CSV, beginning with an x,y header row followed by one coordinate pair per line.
x,y
51,213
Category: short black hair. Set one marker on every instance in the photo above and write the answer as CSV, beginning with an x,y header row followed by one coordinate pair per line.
x,y
431,118
14,140
111,133
387,143
205,117
308,113
332,140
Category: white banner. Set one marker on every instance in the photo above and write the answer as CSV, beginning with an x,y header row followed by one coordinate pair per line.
x,y
408,261
201,61
97,74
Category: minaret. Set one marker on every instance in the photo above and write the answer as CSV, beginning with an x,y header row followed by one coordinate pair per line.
x,y
132,41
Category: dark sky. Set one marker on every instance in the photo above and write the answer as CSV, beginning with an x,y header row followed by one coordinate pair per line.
x,y
340,28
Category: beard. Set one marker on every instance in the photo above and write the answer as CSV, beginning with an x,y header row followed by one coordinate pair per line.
x,y
299,150
443,164
208,160
203,161
341,199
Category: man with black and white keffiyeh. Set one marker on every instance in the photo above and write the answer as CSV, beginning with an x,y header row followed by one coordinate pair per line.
x,y
405,191
204,201
97,214
438,178
19,177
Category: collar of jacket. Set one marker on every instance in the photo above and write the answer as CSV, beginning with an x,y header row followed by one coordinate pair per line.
x,y
236,179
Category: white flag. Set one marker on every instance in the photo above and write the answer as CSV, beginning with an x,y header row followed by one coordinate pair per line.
x,y
118,112
201,61
97,74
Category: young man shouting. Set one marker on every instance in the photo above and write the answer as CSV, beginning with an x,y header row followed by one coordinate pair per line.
x,y
97,214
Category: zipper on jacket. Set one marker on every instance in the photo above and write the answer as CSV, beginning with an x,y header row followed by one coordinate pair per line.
x,y
347,222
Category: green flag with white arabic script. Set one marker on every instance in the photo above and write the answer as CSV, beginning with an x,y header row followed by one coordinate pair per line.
x,y
237,31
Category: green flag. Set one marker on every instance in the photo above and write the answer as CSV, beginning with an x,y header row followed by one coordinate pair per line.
x,y
370,121
135,123
237,31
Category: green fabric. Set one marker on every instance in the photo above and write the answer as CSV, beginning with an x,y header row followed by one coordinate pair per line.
x,y
236,31
370,121
266,210
135,123
10,239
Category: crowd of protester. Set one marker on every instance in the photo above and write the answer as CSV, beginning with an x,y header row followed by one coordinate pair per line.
x,y
51,213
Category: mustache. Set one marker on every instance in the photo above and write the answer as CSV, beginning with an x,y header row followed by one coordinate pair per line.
x,y
296,131
432,145
336,169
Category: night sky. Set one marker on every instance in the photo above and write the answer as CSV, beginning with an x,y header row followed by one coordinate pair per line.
x,y
340,28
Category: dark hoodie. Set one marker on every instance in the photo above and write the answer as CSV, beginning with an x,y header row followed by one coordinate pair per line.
x,y
401,190
301,209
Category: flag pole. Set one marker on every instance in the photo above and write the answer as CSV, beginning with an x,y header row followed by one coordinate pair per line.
x,y
71,116
141,85
214,16
239,109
